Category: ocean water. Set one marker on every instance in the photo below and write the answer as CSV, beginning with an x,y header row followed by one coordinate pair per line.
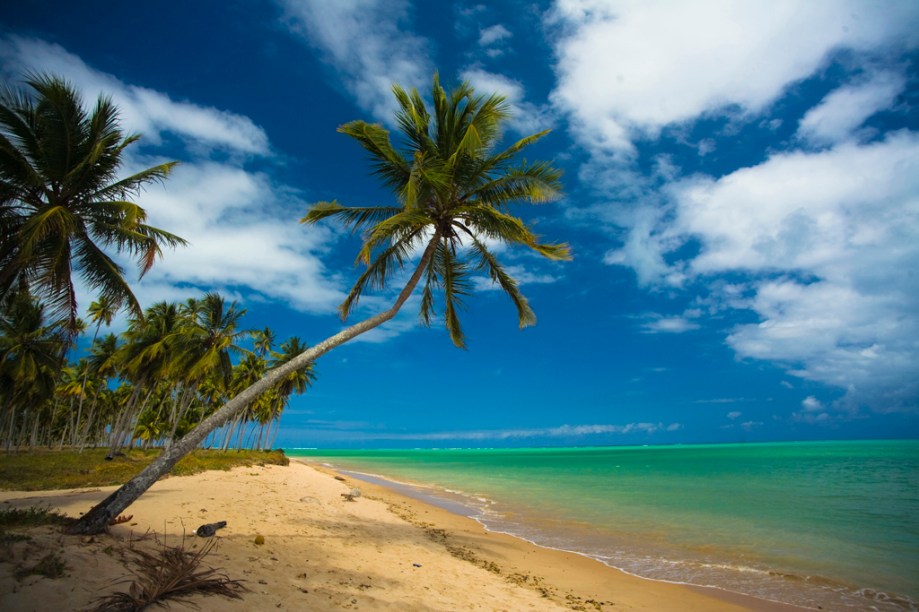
x,y
817,524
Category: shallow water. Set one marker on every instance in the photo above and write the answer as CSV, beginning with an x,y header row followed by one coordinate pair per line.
x,y
831,524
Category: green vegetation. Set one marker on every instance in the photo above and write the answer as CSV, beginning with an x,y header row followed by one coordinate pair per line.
x,y
34,516
63,200
453,189
50,566
148,386
43,470
25,518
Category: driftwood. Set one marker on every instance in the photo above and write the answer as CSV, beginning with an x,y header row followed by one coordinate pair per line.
x,y
206,531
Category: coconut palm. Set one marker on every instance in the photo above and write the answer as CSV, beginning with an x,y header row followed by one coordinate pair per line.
x,y
62,203
453,191
30,358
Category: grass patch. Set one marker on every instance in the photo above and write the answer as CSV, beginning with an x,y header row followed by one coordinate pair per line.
x,y
69,469
49,566
34,516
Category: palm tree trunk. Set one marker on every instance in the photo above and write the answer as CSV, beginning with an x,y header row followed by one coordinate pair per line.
x,y
98,518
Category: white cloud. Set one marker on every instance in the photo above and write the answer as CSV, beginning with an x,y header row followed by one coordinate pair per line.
x,y
526,117
811,404
734,415
142,110
812,412
363,41
492,34
242,238
628,68
845,109
831,240
670,325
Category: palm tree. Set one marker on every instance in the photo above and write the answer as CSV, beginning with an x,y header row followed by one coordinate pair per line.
x,y
207,335
61,201
30,358
453,193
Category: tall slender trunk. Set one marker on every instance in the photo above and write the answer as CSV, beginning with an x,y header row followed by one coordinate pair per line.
x,y
98,518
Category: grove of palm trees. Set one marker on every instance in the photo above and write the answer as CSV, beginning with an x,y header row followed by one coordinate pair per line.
x,y
177,383
146,386
63,205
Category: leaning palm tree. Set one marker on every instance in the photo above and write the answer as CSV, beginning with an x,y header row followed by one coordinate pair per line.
x,y
62,203
453,191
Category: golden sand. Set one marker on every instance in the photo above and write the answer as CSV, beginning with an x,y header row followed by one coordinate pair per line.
x,y
322,552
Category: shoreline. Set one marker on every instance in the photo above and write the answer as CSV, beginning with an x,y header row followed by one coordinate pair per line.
x,y
383,488
386,550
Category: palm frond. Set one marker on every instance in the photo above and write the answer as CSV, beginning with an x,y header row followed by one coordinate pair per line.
x,y
354,217
387,163
453,274
393,230
379,270
537,183
508,284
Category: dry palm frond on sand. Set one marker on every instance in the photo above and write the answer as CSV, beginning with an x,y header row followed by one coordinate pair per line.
x,y
170,573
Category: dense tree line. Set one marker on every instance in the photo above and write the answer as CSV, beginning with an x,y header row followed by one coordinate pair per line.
x,y
145,387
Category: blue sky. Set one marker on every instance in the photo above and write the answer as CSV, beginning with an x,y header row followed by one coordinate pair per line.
x,y
741,196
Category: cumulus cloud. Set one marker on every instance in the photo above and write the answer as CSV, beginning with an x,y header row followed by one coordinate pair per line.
x,y
492,34
845,109
241,238
366,45
627,68
829,241
142,110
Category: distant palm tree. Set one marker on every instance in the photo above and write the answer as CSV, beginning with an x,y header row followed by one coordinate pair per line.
x,y
263,340
453,195
30,359
61,201
101,311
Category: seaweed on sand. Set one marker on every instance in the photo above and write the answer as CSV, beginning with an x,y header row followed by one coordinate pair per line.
x,y
170,573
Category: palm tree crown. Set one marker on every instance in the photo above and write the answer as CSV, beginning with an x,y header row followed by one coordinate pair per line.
x,y
61,201
454,189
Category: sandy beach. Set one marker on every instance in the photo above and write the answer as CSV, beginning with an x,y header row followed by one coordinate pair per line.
x,y
320,551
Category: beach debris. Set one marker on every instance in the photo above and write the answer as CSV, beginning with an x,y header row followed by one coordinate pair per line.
x,y
340,478
170,573
209,529
259,540
352,495
121,519
416,565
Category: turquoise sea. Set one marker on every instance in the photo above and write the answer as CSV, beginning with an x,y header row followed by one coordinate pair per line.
x,y
817,524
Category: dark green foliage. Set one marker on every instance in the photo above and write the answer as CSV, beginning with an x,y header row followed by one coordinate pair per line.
x,y
63,201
